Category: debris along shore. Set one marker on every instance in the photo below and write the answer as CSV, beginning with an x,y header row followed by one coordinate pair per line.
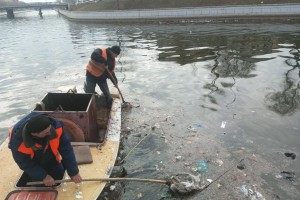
x,y
159,143
235,12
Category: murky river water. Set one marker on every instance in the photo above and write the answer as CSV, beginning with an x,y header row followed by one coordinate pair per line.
x,y
217,92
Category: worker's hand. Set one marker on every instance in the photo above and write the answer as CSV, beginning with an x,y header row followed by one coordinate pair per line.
x,y
49,181
77,178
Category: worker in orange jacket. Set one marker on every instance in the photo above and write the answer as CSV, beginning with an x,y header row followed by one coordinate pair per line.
x,y
42,149
102,59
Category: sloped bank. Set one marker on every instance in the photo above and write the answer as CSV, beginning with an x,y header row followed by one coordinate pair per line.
x,y
266,11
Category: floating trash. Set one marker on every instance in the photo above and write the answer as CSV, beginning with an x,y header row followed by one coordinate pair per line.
x,y
203,170
288,175
278,176
185,183
112,187
139,195
291,155
178,158
198,126
156,126
202,167
251,192
192,129
223,124
219,162
241,166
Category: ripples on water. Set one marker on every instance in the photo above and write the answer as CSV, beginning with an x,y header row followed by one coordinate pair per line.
x,y
245,74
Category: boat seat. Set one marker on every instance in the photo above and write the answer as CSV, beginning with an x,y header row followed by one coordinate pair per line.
x,y
83,154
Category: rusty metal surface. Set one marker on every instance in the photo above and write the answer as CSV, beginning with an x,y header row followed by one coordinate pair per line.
x,y
79,108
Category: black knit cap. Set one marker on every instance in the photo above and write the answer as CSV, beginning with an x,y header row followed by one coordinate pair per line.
x,y
115,49
38,123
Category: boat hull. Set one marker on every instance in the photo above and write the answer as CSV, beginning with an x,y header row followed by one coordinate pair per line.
x,y
104,157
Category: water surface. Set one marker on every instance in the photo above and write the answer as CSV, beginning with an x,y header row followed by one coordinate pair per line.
x,y
188,78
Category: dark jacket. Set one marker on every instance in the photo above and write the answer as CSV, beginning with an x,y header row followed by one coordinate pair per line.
x,y
110,62
35,167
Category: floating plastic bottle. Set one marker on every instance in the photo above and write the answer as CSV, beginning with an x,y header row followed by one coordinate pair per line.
x,y
203,170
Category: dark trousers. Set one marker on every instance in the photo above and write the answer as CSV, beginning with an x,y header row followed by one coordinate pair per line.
x,y
57,171
90,86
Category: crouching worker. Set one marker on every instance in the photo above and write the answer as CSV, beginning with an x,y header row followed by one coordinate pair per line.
x,y
43,150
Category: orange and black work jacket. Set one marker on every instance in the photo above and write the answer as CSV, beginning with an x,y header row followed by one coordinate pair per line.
x,y
34,155
100,58
52,143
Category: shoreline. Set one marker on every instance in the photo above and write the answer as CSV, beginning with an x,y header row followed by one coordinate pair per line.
x,y
175,14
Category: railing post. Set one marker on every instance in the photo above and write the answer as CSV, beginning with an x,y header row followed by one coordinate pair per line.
x,y
10,13
40,12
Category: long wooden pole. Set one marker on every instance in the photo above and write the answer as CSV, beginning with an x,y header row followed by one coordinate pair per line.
x,y
115,83
105,180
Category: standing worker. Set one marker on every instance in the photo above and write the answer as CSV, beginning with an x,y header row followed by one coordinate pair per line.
x,y
96,71
42,149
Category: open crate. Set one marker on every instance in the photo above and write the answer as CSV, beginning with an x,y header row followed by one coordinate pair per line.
x,y
78,108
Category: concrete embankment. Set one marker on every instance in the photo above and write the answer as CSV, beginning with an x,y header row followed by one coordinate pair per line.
x,y
250,11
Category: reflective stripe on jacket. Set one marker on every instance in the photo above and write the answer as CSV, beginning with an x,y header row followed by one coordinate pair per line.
x,y
54,144
97,69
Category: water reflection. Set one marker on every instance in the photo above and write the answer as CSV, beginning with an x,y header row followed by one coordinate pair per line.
x,y
228,64
233,56
287,101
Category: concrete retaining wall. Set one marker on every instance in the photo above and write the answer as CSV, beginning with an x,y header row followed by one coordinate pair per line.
x,y
186,13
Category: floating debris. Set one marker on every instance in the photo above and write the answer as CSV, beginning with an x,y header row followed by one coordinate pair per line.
x,y
185,183
139,195
202,167
187,164
192,129
178,158
288,175
278,176
198,126
251,192
203,170
155,126
223,124
241,166
209,180
219,162
292,155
